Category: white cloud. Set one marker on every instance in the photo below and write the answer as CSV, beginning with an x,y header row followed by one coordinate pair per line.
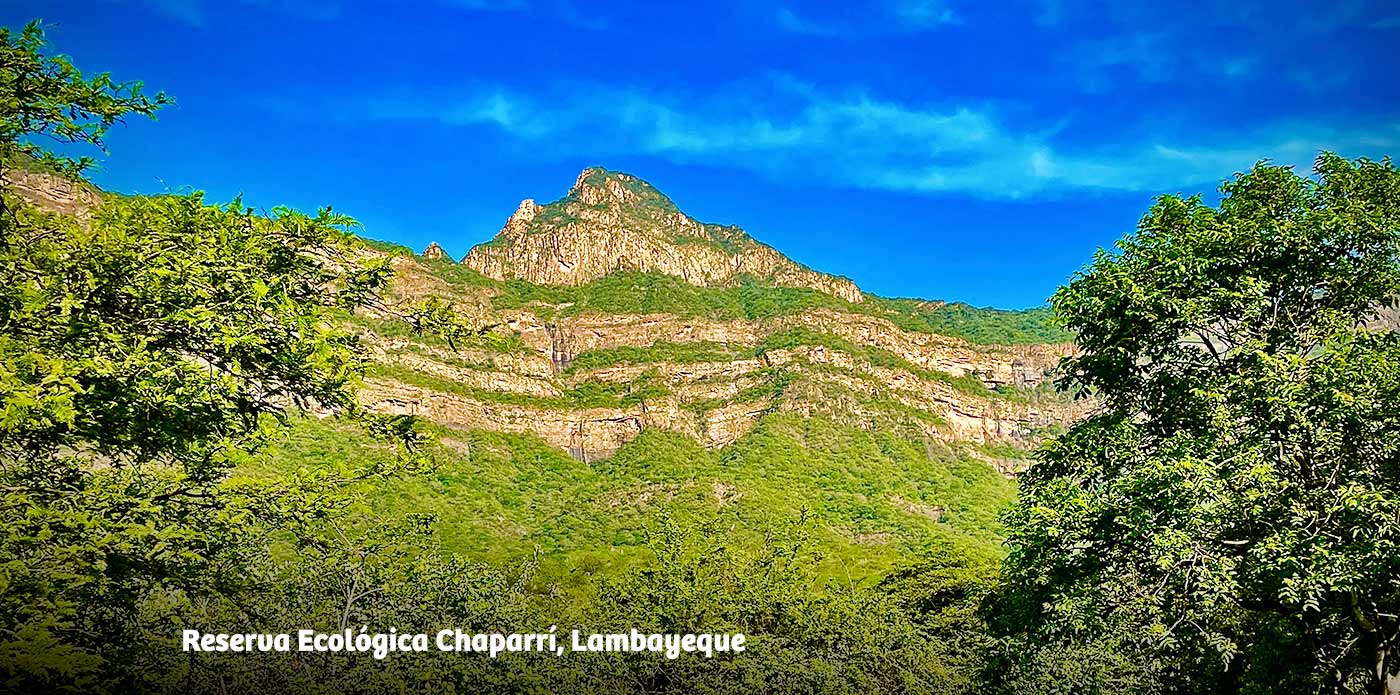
x,y
855,140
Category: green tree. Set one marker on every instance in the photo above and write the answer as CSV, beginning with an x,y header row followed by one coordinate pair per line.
x,y
45,97
1228,521
144,352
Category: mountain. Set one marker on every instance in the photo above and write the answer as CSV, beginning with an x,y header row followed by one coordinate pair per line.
x,y
611,221
629,315
643,363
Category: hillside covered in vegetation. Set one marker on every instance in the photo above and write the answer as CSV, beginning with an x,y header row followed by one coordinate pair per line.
x,y
613,419
571,432
584,412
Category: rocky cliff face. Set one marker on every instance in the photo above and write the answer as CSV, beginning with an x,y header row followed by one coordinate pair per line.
x,y
590,382
52,192
945,388
611,221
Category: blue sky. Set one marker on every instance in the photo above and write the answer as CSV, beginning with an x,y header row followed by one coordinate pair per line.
x,y
923,148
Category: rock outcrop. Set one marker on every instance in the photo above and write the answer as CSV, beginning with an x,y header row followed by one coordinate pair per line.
x,y
52,192
610,221
435,252
950,390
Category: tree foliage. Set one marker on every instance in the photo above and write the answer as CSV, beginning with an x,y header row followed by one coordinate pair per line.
x,y
144,353
45,96
1228,521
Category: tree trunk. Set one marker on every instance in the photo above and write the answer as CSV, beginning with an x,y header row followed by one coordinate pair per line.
x,y
1387,680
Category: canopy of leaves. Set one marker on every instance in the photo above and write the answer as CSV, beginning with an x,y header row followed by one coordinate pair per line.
x,y
144,353
1229,521
44,96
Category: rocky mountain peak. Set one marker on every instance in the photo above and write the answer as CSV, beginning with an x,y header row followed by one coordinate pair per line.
x,y
611,221
597,186
526,211
434,252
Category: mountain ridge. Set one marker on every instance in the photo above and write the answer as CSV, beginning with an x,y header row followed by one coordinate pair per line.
x,y
612,221
586,410
588,367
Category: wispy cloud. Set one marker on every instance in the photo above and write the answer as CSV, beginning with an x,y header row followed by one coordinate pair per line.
x,y
858,140
889,17
188,11
1101,64
569,14
488,5
790,21
925,13
1102,46
195,12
